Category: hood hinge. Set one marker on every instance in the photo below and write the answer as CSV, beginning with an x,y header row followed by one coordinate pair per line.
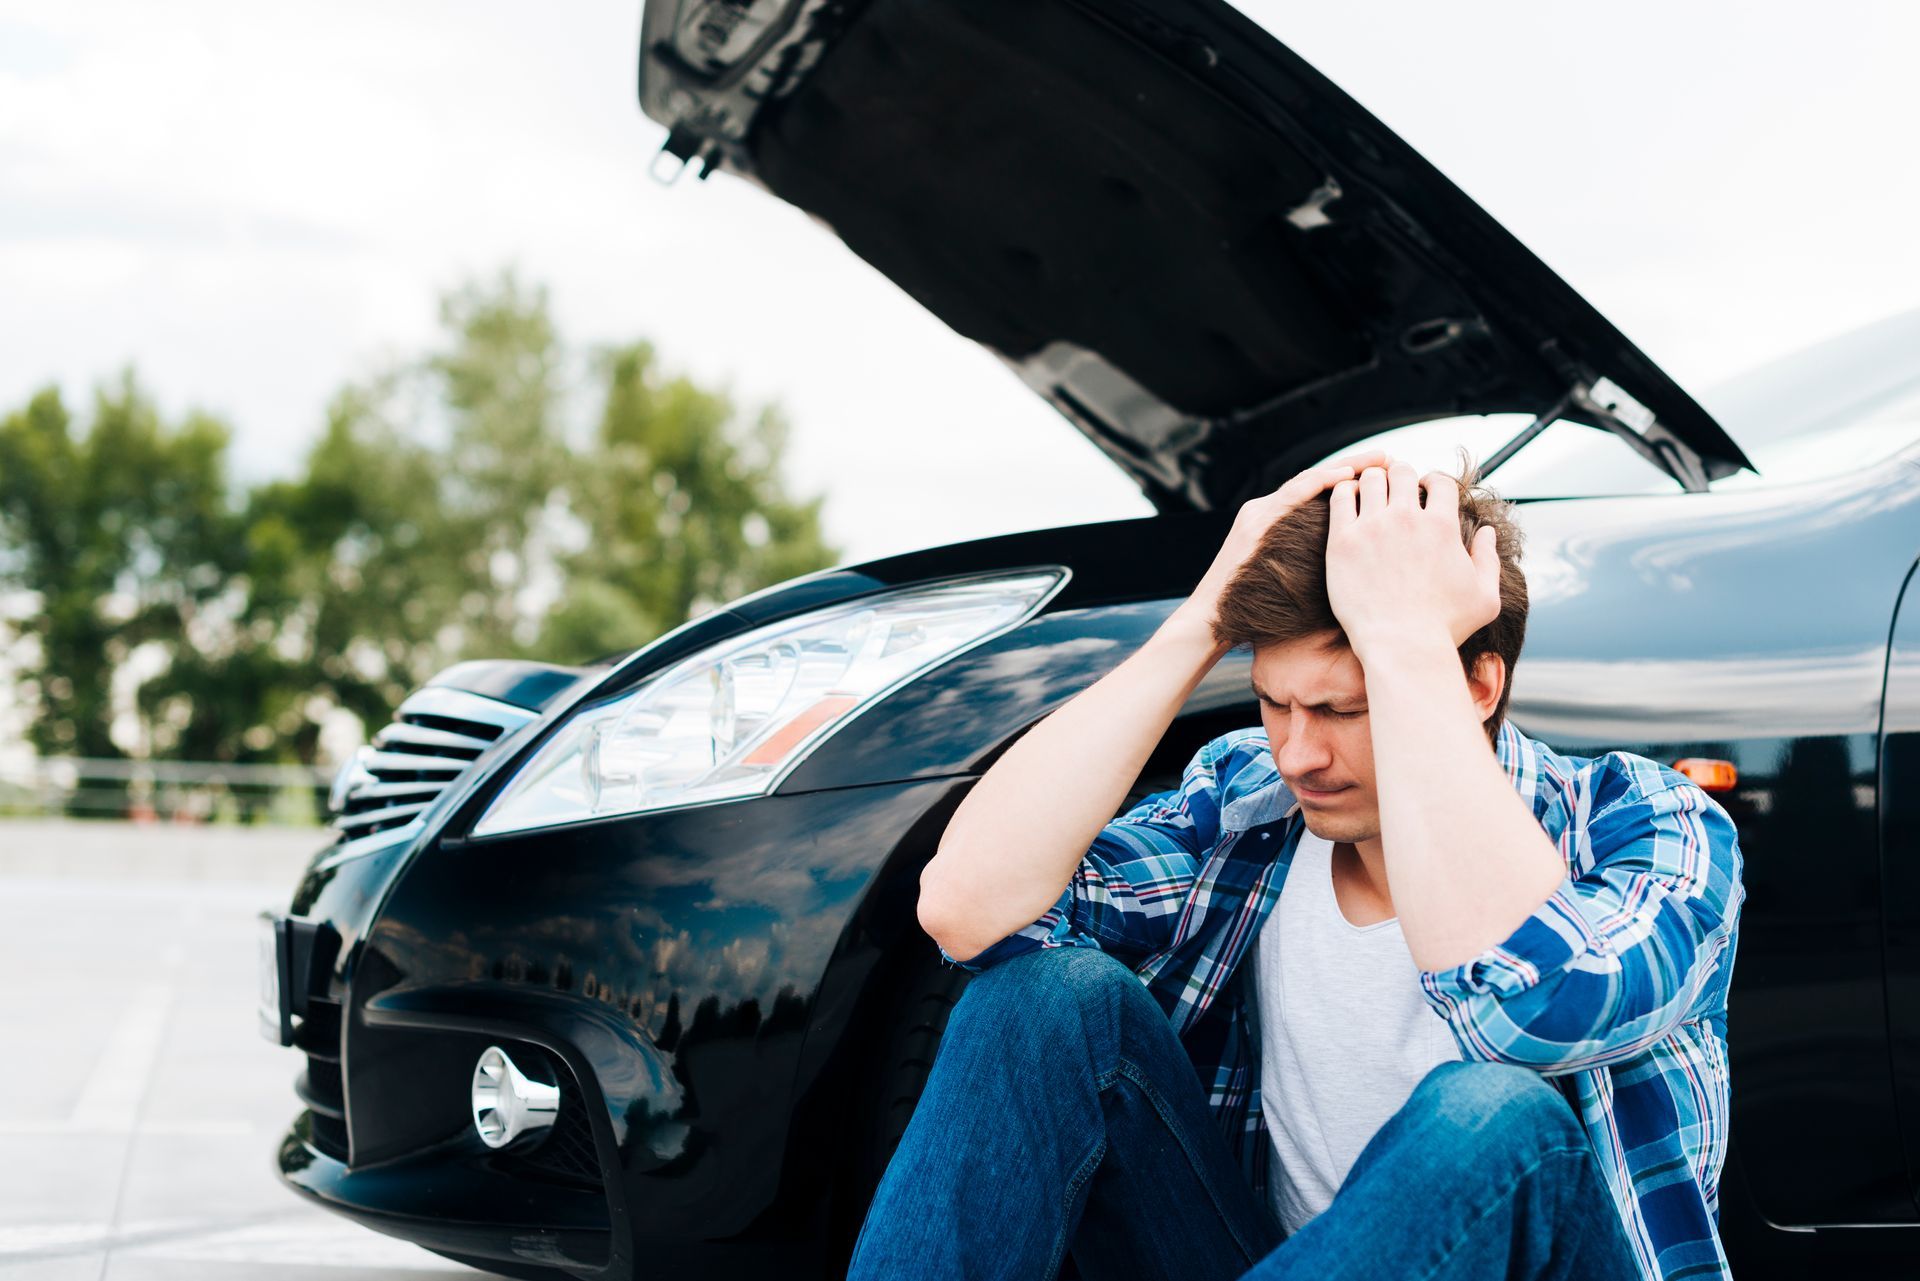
x,y
1612,409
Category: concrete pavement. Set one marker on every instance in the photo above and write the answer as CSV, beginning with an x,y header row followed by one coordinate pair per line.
x,y
139,1107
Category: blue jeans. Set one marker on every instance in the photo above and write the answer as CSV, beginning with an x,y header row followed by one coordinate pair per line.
x,y
1062,1114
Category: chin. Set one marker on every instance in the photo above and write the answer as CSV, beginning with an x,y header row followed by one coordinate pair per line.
x,y
1326,831
1329,828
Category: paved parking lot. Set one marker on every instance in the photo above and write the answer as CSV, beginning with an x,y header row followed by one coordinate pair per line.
x,y
139,1107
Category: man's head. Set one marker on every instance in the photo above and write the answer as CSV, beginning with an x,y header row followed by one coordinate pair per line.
x,y
1311,688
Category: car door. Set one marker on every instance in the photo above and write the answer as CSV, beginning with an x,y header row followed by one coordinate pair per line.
x,y
1900,860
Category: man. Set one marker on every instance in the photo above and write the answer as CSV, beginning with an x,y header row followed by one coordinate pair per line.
x,y
1385,988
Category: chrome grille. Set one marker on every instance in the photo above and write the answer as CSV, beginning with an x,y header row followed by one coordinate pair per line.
x,y
433,737
566,1153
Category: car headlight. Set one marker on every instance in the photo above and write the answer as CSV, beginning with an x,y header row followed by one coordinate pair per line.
x,y
732,720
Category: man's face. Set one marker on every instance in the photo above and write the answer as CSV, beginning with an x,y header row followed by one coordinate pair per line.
x,y
1313,703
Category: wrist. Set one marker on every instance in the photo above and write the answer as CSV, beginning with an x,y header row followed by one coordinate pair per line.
x,y
1400,642
1190,629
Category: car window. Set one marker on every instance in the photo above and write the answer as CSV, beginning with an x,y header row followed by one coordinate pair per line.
x,y
1846,403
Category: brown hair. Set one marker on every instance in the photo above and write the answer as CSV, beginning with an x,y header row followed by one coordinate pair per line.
x,y
1280,594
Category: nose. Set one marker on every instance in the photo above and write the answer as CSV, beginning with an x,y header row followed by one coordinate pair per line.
x,y
1306,752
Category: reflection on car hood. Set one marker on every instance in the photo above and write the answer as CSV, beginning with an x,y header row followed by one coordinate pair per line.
x,y
1213,261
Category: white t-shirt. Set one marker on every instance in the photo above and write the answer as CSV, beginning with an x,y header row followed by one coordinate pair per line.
x,y
1345,1033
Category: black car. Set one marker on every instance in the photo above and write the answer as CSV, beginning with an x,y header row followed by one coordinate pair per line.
x,y
615,971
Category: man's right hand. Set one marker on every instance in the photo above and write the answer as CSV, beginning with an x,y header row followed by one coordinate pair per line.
x,y
1255,518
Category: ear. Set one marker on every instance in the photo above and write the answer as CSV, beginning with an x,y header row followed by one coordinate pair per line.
x,y
1488,679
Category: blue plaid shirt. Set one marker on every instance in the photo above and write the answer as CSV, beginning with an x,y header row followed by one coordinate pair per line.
x,y
1616,987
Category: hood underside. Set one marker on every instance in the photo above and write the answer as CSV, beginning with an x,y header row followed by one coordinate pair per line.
x,y
1203,253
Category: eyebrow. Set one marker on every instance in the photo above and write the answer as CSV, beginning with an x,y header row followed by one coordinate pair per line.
x,y
1335,704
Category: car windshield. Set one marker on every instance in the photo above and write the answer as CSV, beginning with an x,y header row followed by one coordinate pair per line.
x,y
1845,403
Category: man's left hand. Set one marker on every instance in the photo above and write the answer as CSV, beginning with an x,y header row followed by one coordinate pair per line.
x,y
1397,570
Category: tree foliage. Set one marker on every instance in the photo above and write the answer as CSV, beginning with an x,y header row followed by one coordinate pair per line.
x,y
122,535
447,510
685,512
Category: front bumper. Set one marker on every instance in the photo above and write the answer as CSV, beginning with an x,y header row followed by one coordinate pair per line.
x,y
674,967
449,1200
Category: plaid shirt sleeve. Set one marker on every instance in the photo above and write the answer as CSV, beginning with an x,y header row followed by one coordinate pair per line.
x,y
1127,892
1616,958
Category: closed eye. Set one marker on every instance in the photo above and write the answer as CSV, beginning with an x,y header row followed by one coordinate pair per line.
x,y
1345,716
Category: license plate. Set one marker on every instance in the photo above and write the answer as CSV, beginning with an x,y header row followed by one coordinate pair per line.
x,y
276,1023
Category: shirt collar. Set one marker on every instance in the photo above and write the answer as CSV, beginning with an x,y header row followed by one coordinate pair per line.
x,y
1510,748
1269,801
1520,757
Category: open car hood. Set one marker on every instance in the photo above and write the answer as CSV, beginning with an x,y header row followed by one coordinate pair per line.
x,y
1213,261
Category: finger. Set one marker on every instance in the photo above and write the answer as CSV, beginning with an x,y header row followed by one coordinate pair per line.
x,y
1331,474
1486,565
1373,490
1365,458
1403,485
1443,495
1309,483
1341,508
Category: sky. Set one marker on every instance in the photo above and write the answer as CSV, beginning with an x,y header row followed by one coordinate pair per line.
x,y
254,203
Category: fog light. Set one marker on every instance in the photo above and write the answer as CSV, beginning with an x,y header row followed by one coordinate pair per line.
x,y
506,1102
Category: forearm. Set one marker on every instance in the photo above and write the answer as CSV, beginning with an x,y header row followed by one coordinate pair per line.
x,y
1013,844
1616,958
1466,859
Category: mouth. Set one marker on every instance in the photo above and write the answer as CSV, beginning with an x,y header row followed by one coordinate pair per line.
x,y
1312,794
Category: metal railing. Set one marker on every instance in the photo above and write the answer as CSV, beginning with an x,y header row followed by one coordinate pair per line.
x,y
164,791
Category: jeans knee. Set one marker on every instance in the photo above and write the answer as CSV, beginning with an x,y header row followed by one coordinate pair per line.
x,y
1047,995
1496,1106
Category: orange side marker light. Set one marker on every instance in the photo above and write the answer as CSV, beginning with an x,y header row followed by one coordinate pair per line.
x,y
775,747
1710,774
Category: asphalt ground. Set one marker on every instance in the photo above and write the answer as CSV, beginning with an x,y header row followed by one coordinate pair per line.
x,y
140,1108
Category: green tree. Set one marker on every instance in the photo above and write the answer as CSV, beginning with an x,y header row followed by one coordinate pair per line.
x,y
686,510
506,465
120,536
444,512
341,587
